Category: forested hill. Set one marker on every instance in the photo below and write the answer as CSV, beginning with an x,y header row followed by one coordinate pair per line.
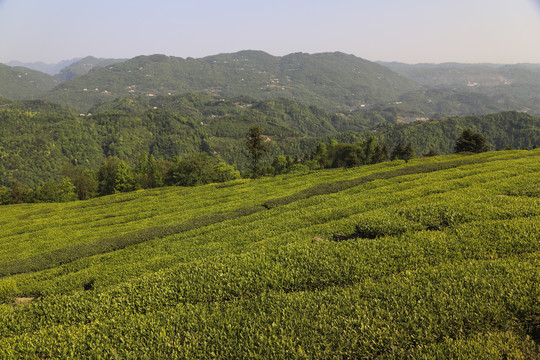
x,y
84,66
503,130
329,80
23,83
513,86
38,138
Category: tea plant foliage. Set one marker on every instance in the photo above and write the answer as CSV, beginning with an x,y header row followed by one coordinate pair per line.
x,y
446,265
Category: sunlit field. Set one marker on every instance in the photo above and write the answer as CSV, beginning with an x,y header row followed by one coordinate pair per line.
x,y
444,263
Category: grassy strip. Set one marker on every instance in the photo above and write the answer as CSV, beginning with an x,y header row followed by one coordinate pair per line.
x,y
71,253
337,186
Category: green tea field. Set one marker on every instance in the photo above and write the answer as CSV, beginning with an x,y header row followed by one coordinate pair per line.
x,y
443,263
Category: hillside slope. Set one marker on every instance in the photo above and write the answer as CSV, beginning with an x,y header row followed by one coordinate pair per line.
x,y
51,69
328,80
514,87
446,264
23,83
84,66
38,138
507,129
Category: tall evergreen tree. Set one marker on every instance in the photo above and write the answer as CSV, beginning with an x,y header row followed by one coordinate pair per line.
x,y
397,152
149,173
279,164
403,152
115,176
257,148
381,154
409,153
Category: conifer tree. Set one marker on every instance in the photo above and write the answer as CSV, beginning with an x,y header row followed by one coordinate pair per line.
x,y
409,153
257,148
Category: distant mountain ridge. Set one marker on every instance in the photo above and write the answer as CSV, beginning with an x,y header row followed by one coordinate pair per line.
x,y
84,66
66,69
513,86
329,80
467,75
332,81
51,69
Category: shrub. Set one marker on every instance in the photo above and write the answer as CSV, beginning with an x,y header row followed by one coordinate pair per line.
x,y
384,224
433,216
8,289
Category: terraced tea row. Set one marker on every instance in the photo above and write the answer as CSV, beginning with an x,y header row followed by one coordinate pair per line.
x,y
447,266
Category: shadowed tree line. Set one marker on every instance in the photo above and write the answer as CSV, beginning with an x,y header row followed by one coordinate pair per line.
x,y
332,154
116,176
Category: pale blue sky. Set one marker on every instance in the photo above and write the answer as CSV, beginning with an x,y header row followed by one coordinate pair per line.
x,y
497,31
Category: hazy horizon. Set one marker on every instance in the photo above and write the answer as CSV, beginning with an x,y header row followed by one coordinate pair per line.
x,y
419,31
78,58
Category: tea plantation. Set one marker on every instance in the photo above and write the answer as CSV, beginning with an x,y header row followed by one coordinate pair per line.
x,y
445,265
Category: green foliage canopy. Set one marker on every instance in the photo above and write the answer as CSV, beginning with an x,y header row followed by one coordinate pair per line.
x,y
470,141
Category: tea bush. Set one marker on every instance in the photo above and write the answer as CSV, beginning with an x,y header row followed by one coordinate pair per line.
x,y
447,266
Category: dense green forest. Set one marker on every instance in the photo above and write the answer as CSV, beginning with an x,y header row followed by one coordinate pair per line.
x,y
39,139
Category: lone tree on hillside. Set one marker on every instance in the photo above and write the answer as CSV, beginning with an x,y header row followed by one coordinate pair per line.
x,y
403,152
257,148
470,141
408,153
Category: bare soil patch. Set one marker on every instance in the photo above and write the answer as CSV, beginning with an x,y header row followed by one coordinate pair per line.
x,y
23,300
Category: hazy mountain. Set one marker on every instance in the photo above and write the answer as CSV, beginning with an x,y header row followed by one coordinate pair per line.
x,y
512,86
467,75
24,83
329,80
84,66
332,81
447,102
51,69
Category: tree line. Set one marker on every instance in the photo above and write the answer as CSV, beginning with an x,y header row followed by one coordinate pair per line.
x,y
38,138
344,155
117,176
